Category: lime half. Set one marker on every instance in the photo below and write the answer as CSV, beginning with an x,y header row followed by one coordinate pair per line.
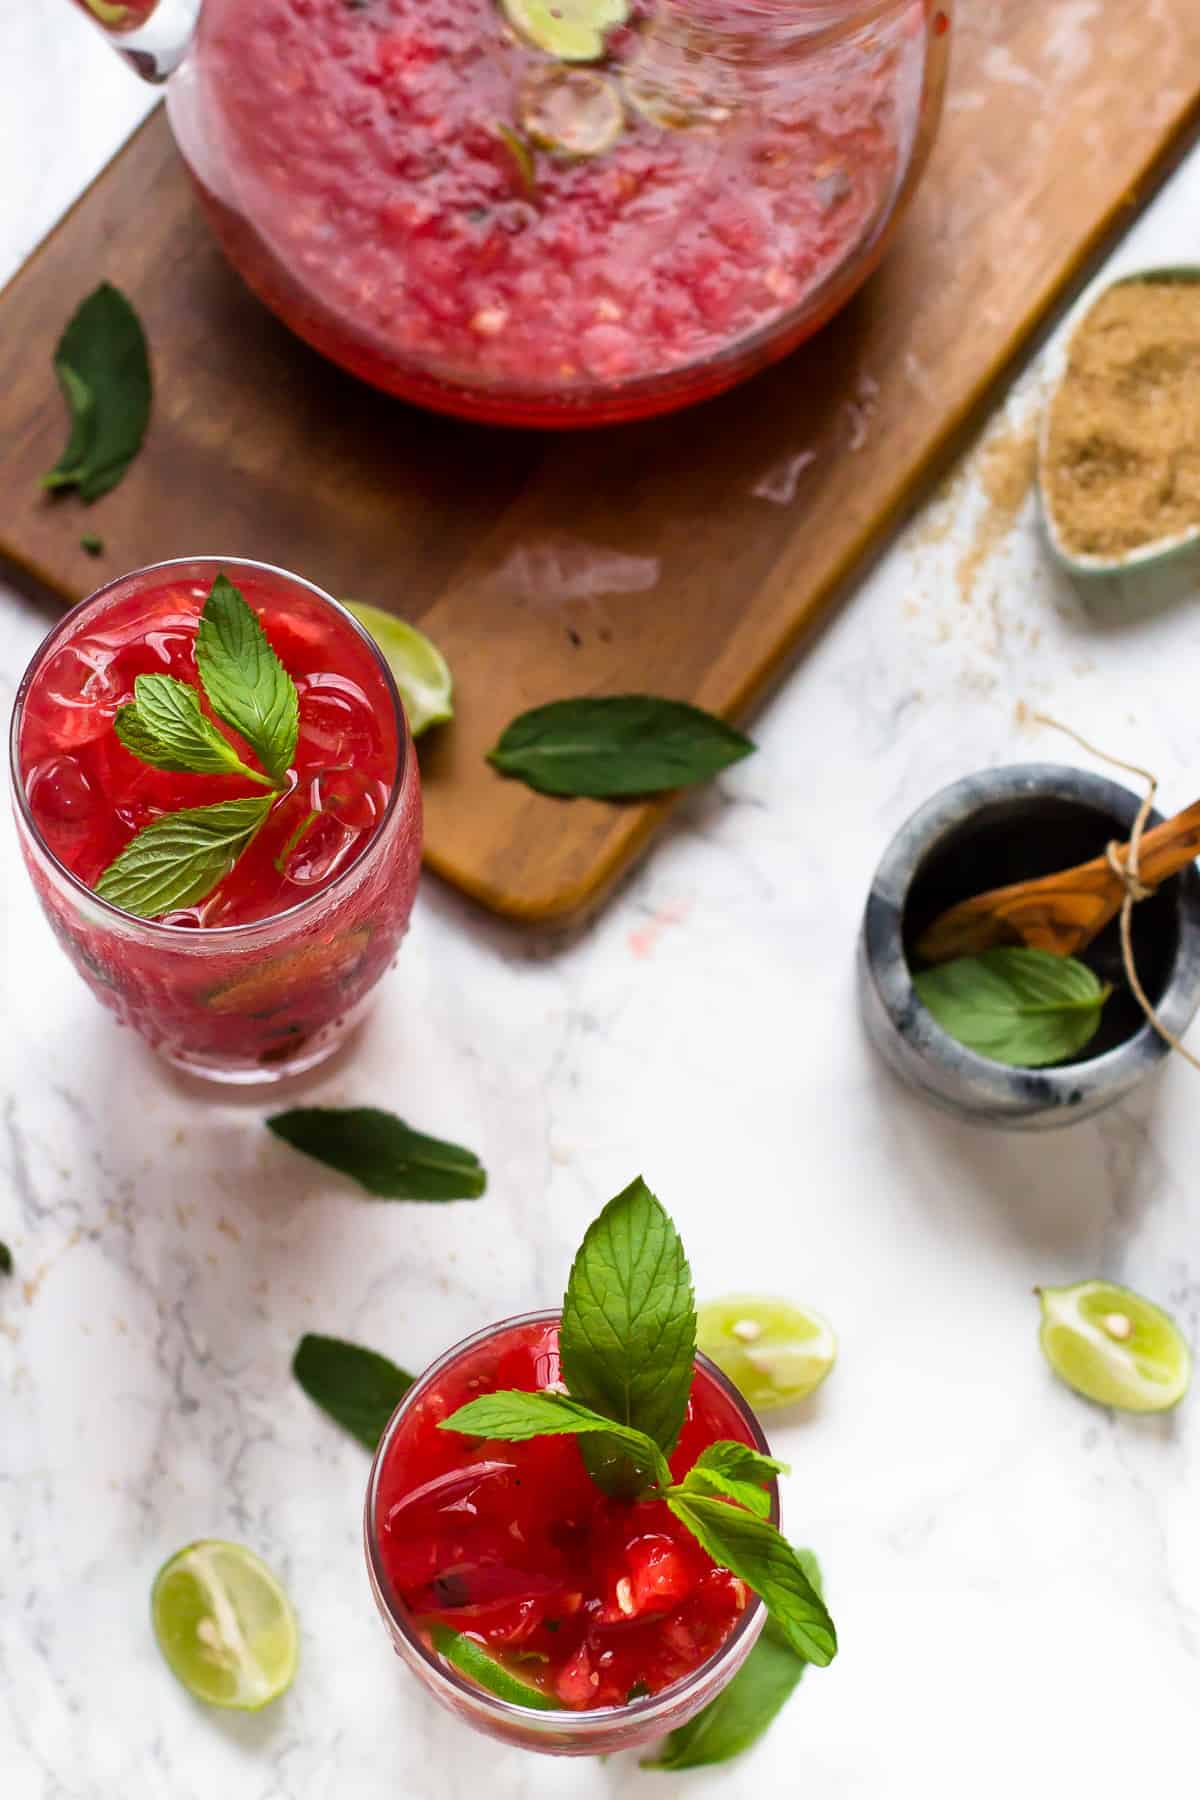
x,y
421,671
1114,1347
224,1625
773,1351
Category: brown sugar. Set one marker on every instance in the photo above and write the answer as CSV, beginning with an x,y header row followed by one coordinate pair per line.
x,y
1122,461
1005,468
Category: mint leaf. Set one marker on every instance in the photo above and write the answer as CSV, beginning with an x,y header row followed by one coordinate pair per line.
x,y
1022,1007
247,685
103,369
357,1387
620,746
516,1416
738,1461
6,1261
471,1659
753,1550
744,1710
383,1154
732,1471
165,728
181,857
627,1341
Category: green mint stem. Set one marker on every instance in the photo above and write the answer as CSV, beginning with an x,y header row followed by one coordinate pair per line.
x,y
293,840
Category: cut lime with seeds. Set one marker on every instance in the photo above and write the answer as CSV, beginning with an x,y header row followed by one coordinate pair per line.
x,y
224,1625
1114,1347
421,671
773,1351
572,112
572,30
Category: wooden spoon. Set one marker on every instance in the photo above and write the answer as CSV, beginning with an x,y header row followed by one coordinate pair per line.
x,y
1063,912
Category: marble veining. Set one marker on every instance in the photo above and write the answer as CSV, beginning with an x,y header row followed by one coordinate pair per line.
x,y
1016,1575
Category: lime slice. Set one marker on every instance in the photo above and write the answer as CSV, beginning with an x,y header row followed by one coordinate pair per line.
x,y
421,671
573,112
773,1351
283,980
470,1658
1114,1347
572,30
224,1625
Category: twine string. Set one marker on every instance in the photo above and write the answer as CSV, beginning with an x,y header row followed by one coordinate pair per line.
x,y
1127,871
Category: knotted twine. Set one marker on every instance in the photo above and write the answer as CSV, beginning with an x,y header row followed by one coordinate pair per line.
x,y
1127,873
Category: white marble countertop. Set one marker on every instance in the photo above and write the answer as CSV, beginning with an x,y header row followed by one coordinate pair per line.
x,y
1016,1575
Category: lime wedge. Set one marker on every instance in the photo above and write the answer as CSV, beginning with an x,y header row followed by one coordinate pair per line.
x,y
572,30
773,1351
421,671
470,1658
1114,1347
224,1625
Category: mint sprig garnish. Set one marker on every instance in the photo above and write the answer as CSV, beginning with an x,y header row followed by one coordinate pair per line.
x,y
179,859
754,1550
627,1341
627,1348
516,1415
247,685
165,728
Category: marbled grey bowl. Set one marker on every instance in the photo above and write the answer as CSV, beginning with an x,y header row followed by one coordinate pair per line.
x,y
949,848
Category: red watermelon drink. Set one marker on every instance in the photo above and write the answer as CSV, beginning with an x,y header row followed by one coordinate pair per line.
x,y
270,895
603,1623
544,215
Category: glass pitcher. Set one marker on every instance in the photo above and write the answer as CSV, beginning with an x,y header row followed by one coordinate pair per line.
x,y
548,212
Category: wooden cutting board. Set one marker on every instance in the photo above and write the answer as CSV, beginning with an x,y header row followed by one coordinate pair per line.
x,y
687,556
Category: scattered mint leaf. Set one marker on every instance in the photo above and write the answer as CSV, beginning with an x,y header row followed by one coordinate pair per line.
x,y
470,1658
165,728
93,545
103,369
381,1153
6,1261
1026,1008
516,1416
752,1549
620,746
354,1385
744,1710
179,859
247,685
627,1341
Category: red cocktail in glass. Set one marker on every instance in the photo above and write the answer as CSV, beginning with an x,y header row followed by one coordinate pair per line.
x,y
264,975
609,1609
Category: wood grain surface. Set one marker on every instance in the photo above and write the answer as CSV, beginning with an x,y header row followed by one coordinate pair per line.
x,y
665,557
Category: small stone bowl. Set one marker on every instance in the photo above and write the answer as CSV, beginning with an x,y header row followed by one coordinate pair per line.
x,y
1005,825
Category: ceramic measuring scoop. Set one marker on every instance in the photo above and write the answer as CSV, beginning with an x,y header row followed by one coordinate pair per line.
x,y
1164,552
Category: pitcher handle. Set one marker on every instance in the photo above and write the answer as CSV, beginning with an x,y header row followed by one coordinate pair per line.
x,y
151,35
